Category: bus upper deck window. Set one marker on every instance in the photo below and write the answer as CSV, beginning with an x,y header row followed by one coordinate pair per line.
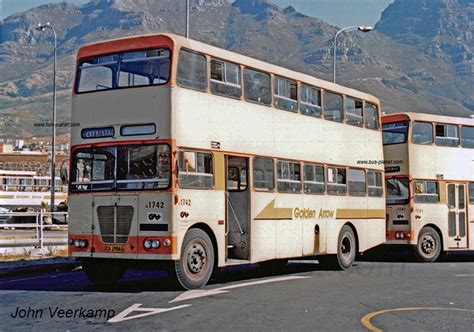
x,y
128,69
286,94
353,111
447,135
371,116
192,70
310,101
422,133
395,133
333,107
225,79
257,86
467,137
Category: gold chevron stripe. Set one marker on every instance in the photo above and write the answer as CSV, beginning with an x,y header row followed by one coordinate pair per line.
x,y
271,212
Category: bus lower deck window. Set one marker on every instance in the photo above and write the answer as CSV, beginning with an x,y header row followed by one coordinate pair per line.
x,y
336,181
195,170
289,176
426,191
263,174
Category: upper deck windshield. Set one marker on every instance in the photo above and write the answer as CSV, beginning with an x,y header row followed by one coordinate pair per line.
x,y
122,70
122,167
395,133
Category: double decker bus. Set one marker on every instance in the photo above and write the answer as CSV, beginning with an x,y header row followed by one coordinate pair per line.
x,y
203,158
430,182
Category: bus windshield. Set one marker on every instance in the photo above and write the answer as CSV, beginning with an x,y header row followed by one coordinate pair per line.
x,y
122,70
398,191
395,133
122,167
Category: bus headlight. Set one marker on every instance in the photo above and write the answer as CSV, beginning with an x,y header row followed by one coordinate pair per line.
x,y
147,244
77,244
70,241
155,244
83,243
166,242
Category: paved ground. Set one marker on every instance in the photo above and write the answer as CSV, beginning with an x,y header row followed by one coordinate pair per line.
x,y
301,297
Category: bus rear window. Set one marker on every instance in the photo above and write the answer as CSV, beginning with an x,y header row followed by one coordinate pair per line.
x,y
122,70
395,133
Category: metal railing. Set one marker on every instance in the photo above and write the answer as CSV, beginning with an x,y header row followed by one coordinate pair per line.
x,y
40,225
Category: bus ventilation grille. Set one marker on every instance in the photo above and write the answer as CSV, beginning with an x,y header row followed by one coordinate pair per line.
x,y
115,223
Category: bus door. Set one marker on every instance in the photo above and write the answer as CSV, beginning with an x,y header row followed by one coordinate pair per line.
x,y
237,207
457,220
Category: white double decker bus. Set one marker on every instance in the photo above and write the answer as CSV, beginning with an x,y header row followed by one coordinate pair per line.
x,y
204,158
430,182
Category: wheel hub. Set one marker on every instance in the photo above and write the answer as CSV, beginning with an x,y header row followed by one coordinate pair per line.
x,y
428,244
196,258
346,247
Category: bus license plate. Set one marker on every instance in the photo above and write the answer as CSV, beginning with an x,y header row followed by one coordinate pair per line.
x,y
114,248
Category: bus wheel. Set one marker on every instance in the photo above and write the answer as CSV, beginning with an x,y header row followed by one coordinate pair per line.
x,y
428,248
102,272
346,251
196,264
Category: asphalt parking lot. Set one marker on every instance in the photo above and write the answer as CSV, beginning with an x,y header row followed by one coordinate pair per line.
x,y
373,295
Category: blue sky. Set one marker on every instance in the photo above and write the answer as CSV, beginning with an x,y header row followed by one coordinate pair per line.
x,y
337,12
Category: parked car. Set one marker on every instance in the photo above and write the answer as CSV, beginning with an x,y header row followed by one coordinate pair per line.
x,y
3,218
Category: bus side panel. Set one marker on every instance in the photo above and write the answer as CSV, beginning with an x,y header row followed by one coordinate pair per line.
x,y
196,206
424,214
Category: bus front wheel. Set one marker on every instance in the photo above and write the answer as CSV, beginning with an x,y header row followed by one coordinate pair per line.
x,y
102,272
196,264
428,248
346,251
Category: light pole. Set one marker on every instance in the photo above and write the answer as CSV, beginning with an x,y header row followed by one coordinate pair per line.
x,y
187,19
360,28
42,27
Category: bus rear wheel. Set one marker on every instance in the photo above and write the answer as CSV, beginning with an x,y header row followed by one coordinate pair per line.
x,y
195,267
346,251
428,248
103,272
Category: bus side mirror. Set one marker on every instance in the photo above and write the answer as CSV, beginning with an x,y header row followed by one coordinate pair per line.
x,y
64,175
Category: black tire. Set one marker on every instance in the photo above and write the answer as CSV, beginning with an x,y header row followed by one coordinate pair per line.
x,y
195,267
429,246
103,272
346,251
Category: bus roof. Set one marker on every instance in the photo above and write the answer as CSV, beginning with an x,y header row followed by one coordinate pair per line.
x,y
177,42
410,116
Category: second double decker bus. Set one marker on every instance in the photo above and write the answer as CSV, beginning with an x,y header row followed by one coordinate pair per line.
x,y
429,182
202,157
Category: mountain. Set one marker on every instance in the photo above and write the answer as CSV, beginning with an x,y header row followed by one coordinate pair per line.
x,y
405,75
442,29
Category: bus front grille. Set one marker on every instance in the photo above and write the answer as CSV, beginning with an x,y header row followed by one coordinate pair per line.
x,y
115,223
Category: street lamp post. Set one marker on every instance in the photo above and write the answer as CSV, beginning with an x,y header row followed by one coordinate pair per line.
x,y
42,27
187,19
360,28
